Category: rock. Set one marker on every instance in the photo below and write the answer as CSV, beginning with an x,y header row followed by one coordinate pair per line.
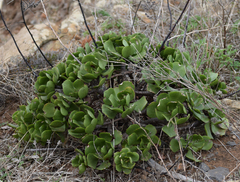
x,y
1,2
104,3
41,33
234,137
231,103
121,9
142,15
231,144
101,3
204,167
74,21
218,173
233,128
90,20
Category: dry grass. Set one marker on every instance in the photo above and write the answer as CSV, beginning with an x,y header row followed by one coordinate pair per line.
x,y
21,161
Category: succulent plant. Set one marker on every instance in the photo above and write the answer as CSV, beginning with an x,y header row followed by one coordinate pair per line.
x,y
117,100
138,139
169,107
131,47
80,161
101,148
64,93
193,142
125,160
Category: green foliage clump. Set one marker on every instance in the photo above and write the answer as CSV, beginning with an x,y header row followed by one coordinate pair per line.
x,y
125,160
65,95
117,100
141,139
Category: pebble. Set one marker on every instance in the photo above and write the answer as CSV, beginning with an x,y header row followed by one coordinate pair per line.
x,y
231,144
218,174
180,167
234,137
144,177
204,167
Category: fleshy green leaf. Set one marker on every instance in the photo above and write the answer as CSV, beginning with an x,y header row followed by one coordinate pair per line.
x,y
140,104
174,145
92,160
108,112
132,139
49,109
151,110
118,137
68,88
82,168
132,128
169,130
190,156
151,130
58,126
105,135
83,92
109,47
104,165
46,135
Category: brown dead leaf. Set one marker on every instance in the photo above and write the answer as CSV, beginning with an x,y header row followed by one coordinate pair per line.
x,y
85,40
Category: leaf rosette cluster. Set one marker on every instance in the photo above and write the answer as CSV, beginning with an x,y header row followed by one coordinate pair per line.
x,y
64,105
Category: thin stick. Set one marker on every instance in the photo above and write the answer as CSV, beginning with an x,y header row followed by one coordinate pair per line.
x,y
229,95
135,16
170,24
17,45
227,150
21,4
87,24
185,32
232,171
229,18
48,149
56,33
178,176
224,29
162,46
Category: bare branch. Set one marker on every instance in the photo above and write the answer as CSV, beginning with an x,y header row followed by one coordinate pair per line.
x,y
185,32
170,24
135,16
162,46
17,45
56,33
22,9
86,24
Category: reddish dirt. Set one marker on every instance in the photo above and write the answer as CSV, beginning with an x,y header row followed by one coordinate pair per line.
x,y
7,111
223,156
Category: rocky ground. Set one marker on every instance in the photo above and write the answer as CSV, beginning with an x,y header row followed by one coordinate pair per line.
x,y
67,21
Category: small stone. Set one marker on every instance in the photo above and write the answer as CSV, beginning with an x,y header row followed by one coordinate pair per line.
x,y
231,103
233,128
142,15
144,177
234,137
204,167
122,9
180,167
91,20
231,144
218,174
